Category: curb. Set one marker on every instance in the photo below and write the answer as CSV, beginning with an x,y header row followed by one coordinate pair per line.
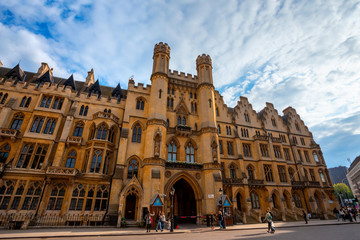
x,y
168,233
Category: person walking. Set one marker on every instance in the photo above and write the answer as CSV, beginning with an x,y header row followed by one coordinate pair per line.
x,y
148,221
220,219
336,212
162,221
342,214
268,219
305,217
158,222
212,220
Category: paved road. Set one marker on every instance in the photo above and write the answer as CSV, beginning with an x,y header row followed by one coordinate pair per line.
x,y
334,232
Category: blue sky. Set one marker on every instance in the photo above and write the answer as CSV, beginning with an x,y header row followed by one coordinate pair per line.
x,y
303,54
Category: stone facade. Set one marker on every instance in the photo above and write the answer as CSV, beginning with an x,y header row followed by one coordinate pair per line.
x,y
77,153
353,176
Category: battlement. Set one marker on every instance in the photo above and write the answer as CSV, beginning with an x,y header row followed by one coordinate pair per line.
x,y
162,48
182,75
203,59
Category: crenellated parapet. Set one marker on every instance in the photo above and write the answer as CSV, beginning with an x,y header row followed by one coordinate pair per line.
x,y
203,59
162,48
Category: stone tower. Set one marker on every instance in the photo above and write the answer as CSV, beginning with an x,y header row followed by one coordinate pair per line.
x,y
208,138
155,140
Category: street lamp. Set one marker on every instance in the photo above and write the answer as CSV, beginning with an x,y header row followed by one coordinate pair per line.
x,y
222,206
172,193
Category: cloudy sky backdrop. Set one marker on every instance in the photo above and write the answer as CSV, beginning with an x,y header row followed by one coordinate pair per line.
x,y
304,54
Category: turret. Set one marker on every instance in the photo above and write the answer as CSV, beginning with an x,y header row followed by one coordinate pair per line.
x,y
204,69
161,58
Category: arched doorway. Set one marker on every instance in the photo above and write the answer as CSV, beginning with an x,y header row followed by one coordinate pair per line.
x,y
238,201
130,206
287,198
184,202
319,202
274,200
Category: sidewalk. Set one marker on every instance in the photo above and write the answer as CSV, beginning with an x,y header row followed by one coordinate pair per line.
x,y
102,231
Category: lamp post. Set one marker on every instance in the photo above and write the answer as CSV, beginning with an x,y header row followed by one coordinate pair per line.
x,y
222,206
172,193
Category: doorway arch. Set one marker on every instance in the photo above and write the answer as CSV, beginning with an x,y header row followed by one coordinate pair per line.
x,y
187,199
130,206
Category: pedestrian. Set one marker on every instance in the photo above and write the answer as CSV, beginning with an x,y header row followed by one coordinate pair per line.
x,y
336,212
212,219
354,214
220,219
268,219
305,217
158,222
342,214
148,221
162,221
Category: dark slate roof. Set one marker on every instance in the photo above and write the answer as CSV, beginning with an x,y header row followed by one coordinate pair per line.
x,y
117,91
80,86
46,77
95,88
16,73
70,82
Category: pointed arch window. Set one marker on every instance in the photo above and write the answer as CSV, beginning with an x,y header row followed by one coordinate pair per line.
x,y
219,129
136,137
18,194
322,176
17,121
196,127
71,159
56,198
133,168
111,134
5,194
172,151
86,111
101,198
184,121
192,107
140,104
96,161
316,157
32,197
101,132
232,170
81,110
190,153
273,122
217,112
255,203
78,131
4,152
28,101
50,126
179,120
77,199
246,116
297,200
167,123
23,101
250,171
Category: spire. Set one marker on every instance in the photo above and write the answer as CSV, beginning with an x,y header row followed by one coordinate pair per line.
x,y
46,77
95,88
117,91
70,82
16,73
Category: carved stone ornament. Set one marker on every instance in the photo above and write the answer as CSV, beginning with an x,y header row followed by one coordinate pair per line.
x,y
198,176
214,150
167,174
157,140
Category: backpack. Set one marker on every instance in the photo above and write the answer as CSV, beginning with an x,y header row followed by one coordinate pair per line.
x,y
270,217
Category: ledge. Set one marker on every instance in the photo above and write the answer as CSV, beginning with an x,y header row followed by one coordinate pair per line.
x,y
184,165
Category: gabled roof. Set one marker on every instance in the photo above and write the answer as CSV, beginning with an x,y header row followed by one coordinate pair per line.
x,y
46,77
95,88
70,82
117,91
16,73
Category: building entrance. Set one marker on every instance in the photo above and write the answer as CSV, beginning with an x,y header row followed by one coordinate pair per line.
x,y
184,202
130,206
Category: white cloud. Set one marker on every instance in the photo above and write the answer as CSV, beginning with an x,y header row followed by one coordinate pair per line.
x,y
299,53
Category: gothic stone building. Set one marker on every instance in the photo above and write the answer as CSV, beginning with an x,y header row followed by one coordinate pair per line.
x,y
78,153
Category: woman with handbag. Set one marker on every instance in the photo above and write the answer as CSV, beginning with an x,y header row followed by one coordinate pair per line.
x,y
148,221
268,219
